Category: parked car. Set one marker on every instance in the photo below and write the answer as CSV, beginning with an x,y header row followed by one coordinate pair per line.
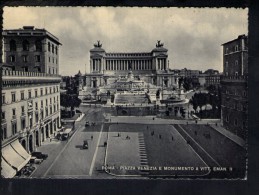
x,y
85,144
35,160
39,155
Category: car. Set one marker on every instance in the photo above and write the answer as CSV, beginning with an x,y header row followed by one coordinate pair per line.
x,y
85,144
39,155
87,123
35,160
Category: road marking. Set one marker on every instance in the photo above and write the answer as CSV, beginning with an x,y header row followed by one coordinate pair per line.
x,y
200,147
95,153
60,152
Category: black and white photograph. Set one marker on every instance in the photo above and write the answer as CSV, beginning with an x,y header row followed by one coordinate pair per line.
x,y
124,93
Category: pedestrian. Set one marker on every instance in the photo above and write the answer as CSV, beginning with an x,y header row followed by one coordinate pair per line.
x,y
118,135
92,137
160,136
196,121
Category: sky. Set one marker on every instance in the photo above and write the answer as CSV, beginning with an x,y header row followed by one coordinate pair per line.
x,y
193,36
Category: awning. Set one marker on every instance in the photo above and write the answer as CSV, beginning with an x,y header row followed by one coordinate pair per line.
x,y
13,157
7,171
20,150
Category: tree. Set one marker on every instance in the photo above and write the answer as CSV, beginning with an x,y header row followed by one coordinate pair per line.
x,y
68,100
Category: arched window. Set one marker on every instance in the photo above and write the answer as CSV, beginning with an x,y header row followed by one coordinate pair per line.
x,y
12,45
25,45
38,45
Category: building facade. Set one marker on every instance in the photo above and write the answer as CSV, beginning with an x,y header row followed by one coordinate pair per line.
x,y
152,67
234,86
31,50
30,98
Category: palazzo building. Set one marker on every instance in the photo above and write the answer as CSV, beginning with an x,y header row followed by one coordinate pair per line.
x,y
151,67
234,86
31,50
30,100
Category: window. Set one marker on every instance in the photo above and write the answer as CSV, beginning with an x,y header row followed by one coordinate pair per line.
x,y
22,95
22,108
3,115
226,65
236,48
13,111
56,61
41,104
3,98
36,117
12,45
47,111
236,73
4,132
36,105
46,90
37,58
25,45
54,100
50,90
29,94
41,114
52,48
25,58
235,122
14,128
227,118
236,62
48,46
23,124
244,93
13,97
49,59
41,91
49,70
12,58
36,92
46,102
38,45
53,60
50,108
56,50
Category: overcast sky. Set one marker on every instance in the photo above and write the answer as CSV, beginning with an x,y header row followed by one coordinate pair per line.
x,y
192,36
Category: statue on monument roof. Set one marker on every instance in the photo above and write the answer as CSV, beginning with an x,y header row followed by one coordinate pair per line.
x,y
98,44
159,44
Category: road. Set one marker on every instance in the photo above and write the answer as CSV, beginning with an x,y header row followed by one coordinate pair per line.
x,y
67,159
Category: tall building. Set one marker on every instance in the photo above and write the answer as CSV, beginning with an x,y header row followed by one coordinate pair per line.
x,y
31,50
234,86
30,97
